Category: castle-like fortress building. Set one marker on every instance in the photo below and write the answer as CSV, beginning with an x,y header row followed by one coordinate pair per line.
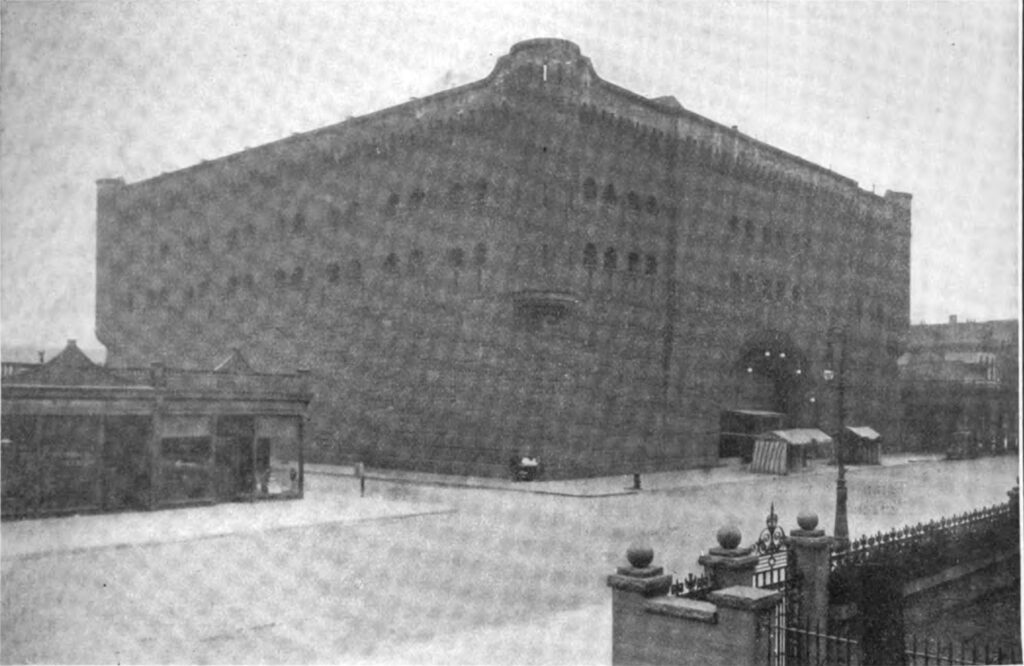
x,y
538,263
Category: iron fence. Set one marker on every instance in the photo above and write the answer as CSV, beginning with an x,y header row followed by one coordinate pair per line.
x,y
929,652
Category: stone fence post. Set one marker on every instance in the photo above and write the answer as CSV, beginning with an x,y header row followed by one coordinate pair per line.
x,y
650,626
729,564
812,550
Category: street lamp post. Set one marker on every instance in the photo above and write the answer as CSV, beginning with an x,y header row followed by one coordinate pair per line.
x,y
842,528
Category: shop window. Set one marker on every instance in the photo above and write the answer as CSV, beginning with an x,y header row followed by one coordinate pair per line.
x,y
611,260
589,189
184,468
590,256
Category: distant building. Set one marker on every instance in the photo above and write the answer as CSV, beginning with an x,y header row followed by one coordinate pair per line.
x,y
960,380
78,437
539,263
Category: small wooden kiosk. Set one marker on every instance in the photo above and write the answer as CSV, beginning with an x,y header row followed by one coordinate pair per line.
x,y
860,445
78,437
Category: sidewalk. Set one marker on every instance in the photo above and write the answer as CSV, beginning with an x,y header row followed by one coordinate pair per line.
x,y
71,534
608,486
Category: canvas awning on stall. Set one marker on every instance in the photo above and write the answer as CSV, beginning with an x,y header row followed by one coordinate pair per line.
x,y
864,432
772,450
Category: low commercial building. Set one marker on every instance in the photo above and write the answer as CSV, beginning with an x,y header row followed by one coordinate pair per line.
x,y
78,437
959,386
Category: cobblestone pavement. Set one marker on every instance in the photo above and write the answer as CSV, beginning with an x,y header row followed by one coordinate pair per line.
x,y
505,578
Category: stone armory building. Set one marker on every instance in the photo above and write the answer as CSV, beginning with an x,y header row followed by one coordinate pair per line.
x,y
540,262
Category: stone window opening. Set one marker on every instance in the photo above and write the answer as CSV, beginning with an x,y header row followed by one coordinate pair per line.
x,y
652,205
280,277
609,196
796,293
611,260
232,286
480,255
633,262
589,189
734,225
590,257
391,206
415,261
298,222
416,198
298,275
480,192
391,263
333,273
355,271
749,230
456,195
651,267
633,201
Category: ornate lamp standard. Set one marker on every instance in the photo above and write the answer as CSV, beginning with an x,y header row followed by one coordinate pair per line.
x,y
842,528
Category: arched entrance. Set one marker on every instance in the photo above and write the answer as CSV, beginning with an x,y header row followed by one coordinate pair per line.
x,y
769,375
771,372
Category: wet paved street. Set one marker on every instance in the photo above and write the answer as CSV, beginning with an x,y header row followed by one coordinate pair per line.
x,y
505,578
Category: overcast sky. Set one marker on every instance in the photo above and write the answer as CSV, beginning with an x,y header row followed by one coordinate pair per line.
x,y
920,97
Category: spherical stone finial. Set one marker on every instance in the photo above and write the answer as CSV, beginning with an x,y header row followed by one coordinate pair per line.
x,y
807,520
729,537
640,556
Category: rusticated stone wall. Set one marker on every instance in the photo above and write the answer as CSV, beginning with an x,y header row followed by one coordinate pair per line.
x,y
539,262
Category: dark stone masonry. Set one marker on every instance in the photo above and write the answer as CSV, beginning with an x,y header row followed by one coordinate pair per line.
x,y
538,263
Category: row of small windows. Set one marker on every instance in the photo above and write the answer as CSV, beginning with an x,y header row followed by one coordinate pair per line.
x,y
608,195
635,262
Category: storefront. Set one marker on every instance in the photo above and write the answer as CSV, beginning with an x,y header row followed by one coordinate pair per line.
x,y
78,437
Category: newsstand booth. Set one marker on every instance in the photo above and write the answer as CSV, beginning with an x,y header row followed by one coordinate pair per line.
x,y
860,445
783,451
78,437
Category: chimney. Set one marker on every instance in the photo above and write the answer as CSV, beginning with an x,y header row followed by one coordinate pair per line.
x,y
952,319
